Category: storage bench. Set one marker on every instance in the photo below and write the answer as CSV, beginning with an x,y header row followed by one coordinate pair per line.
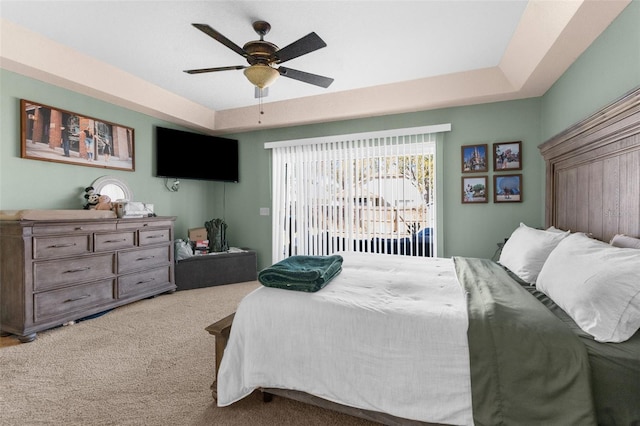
x,y
216,269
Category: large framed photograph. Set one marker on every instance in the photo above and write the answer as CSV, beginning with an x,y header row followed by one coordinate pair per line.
x,y
474,158
507,156
55,135
474,190
507,188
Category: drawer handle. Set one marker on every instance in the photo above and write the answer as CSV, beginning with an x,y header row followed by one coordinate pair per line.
x,y
146,281
72,271
62,245
79,228
77,298
116,241
145,258
155,236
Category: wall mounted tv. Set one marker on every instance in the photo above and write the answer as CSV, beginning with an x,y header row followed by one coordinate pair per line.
x,y
188,155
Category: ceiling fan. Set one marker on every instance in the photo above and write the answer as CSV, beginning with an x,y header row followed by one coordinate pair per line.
x,y
263,57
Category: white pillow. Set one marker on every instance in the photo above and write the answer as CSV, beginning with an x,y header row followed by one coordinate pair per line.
x,y
526,250
596,284
554,229
625,241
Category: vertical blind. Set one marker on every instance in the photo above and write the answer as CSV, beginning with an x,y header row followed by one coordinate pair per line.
x,y
372,192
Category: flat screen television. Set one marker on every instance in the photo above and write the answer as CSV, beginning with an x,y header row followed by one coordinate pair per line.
x,y
188,155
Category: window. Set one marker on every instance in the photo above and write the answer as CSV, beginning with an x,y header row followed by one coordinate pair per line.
x,y
371,192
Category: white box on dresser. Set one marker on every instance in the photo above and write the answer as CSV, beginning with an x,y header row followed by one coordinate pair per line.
x,y
55,271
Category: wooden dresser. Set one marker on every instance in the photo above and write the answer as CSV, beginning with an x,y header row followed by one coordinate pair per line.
x,y
56,271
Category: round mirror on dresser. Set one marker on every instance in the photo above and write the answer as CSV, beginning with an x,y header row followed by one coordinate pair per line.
x,y
114,187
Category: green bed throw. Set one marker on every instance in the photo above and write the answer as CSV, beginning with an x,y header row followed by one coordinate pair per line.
x,y
527,366
302,273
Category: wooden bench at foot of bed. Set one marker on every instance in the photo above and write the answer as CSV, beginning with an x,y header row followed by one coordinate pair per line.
x,y
221,330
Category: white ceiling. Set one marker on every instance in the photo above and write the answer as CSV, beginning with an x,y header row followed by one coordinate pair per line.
x,y
370,44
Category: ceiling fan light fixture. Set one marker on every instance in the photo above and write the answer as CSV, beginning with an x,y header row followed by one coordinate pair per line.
x,y
261,75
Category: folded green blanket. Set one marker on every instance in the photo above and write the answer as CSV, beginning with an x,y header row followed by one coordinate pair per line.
x,y
302,273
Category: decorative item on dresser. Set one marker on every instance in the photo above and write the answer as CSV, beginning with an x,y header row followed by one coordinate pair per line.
x,y
60,270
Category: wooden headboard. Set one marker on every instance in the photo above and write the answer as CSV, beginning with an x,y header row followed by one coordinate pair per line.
x,y
593,172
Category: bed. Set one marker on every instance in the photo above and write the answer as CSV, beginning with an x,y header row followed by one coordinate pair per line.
x,y
506,353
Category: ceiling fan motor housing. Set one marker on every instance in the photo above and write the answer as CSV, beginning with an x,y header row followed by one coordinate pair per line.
x,y
259,51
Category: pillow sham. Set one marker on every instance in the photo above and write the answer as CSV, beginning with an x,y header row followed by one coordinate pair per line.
x,y
526,250
554,229
625,241
596,284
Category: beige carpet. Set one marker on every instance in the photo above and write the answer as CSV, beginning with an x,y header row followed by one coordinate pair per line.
x,y
148,363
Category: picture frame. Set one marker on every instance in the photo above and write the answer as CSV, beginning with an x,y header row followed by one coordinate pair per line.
x,y
56,135
475,158
507,156
507,188
475,189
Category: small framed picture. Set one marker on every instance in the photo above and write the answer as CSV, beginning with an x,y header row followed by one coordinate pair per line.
x,y
507,188
507,156
474,189
475,159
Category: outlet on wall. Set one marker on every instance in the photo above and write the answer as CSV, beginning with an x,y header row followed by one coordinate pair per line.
x,y
264,211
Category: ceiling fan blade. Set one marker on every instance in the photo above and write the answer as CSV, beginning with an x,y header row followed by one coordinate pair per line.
x,y
203,70
305,77
222,39
306,44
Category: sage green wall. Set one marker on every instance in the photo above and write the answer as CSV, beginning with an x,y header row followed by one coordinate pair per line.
x,y
608,69
46,185
467,230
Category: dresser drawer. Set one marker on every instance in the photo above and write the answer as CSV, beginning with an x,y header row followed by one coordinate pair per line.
x,y
72,228
68,300
135,260
153,236
143,223
120,240
67,245
52,274
143,282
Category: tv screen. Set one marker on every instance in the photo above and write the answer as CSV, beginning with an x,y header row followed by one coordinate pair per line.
x,y
188,155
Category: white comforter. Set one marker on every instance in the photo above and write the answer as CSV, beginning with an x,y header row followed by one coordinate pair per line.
x,y
388,334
